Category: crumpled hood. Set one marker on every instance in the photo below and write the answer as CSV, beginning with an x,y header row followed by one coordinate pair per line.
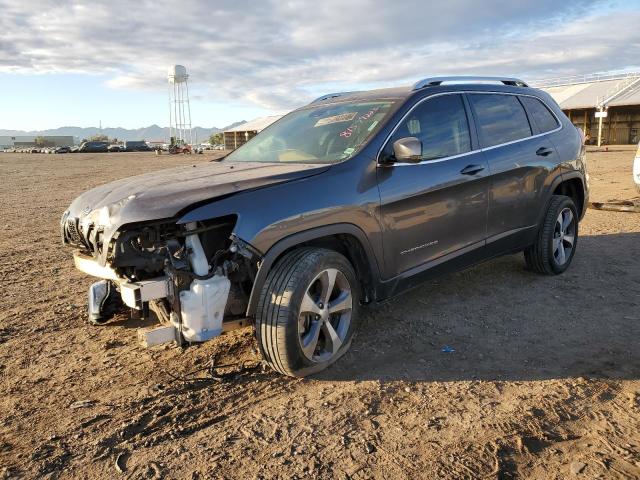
x,y
165,193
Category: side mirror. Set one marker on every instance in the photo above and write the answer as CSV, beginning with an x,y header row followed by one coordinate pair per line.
x,y
408,149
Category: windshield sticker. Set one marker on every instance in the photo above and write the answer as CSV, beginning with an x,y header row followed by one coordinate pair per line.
x,y
365,116
373,125
348,151
343,117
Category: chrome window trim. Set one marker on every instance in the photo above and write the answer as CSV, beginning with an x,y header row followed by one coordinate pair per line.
x,y
470,152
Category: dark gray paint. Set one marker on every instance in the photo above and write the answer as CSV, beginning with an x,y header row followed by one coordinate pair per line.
x,y
388,209
166,193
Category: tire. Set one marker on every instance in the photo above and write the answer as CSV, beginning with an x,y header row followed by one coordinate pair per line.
x,y
550,254
292,312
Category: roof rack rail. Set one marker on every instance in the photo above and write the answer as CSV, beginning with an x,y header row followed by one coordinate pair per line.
x,y
434,81
331,95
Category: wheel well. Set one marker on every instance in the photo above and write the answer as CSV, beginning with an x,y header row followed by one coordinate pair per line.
x,y
349,246
572,188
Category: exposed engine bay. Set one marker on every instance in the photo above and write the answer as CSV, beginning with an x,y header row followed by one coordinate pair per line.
x,y
196,278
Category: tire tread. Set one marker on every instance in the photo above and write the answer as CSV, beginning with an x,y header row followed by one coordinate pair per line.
x,y
273,312
538,256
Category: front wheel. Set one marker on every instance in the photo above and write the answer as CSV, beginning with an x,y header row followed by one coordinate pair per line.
x,y
307,311
557,239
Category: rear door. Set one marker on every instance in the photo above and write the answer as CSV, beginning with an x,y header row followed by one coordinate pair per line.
x,y
438,206
518,158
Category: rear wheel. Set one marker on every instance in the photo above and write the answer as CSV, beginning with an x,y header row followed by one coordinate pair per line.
x,y
307,311
557,239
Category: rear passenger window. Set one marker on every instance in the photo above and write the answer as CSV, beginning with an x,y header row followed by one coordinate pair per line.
x,y
501,118
441,124
540,114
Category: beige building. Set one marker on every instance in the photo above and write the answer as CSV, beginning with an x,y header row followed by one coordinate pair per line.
x,y
241,134
602,106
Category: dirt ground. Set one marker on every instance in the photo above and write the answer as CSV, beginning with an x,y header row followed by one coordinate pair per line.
x,y
543,382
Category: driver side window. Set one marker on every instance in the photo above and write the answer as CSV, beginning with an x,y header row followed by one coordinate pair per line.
x,y
442,126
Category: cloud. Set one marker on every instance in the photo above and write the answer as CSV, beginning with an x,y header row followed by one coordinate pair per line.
x,y
279,54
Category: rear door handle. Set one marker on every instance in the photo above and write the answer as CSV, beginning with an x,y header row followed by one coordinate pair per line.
x,y
544,151
471,169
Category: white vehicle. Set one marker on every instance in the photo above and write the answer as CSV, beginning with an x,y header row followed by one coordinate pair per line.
x,y
636,169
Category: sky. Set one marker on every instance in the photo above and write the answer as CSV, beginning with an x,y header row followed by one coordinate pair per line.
x,y
75,63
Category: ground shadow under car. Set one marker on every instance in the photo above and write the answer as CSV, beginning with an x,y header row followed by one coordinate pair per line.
x,y
506,323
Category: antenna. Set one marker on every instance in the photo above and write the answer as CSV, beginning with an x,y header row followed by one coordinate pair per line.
x,y
179,108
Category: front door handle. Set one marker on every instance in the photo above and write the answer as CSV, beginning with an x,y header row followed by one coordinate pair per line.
x,y
544,151
471,169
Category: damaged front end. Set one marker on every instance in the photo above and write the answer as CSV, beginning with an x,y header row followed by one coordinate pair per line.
x,y
195,277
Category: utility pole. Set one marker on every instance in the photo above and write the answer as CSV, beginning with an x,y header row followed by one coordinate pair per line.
x,y
600,114
600,128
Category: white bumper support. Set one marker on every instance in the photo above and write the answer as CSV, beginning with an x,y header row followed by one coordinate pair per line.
x,y
89,266
134,294
202,306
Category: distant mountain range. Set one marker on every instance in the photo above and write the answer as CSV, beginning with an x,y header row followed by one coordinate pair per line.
x,y
151,133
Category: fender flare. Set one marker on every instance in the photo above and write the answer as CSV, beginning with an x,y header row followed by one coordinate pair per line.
x,y
286,243
560,178
583,181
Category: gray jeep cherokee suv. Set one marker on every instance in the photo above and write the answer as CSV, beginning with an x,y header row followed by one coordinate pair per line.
x,y
347,201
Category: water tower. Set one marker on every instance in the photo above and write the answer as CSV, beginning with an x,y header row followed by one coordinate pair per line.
x,y
179,108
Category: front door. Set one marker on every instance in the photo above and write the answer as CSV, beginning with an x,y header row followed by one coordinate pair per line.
x,y
437,207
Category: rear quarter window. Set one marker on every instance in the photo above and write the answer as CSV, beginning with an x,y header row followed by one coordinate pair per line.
x,y
501,118
540,114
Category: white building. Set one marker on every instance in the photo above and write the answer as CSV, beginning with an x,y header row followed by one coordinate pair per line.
x,y
25,141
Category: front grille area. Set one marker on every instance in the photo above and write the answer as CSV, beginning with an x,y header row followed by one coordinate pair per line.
x,y
74,234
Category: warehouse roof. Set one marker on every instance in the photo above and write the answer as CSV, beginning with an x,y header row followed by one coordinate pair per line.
x,y
622,90
255,125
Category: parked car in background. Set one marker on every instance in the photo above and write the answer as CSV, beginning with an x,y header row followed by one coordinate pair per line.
x,y
93,147
136,146
347,201
62,150
116,148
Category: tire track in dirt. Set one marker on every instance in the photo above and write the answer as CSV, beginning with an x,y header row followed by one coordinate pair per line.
x,y
509,402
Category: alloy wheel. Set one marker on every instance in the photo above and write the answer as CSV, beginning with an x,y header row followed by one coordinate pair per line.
x,y
564,236
325,315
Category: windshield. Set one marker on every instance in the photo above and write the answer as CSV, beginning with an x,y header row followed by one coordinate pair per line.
x,y
325,134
